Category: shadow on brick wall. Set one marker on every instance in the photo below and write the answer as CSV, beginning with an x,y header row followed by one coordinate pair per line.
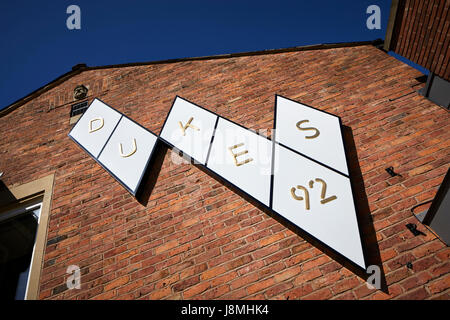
x,y
151,174
365,223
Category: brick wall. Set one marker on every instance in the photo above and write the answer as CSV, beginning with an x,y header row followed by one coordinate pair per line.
x,y
194,237
421,34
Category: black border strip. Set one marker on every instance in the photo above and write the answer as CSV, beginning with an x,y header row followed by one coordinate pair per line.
x,y
107,140
133,192
273,133
358,221
211,142
312,159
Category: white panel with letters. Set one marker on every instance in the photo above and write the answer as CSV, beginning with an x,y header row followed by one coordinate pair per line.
x,y
128,152
95,126
318,200
310,131
189,128
243,158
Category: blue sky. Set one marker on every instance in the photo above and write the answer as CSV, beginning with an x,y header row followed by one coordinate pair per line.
x,y
37,47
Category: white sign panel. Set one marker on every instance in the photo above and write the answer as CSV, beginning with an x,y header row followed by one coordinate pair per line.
x,y
95,126
120,145
189,128
310,131
243,158
318,200
127,153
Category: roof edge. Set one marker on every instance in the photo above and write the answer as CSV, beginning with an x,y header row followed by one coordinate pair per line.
x,y
77,69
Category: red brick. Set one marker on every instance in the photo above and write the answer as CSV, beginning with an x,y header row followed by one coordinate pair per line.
x,y
197,289
244,280
167,246
439,270
363,291
320,295
298,292
326,280
287,274
307,276
182,285
418,294
271,269
439,285
117,283
216,292
345,296
426,249
223,279
105,296
300,258
159,294
260,285
346,284
315,263
278,289
256,265
415,281
397,275
271,239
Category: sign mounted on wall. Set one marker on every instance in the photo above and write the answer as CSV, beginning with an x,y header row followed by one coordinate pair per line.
x,y
301,174
318,200
243,158
311,132
117,143
311,163
189,128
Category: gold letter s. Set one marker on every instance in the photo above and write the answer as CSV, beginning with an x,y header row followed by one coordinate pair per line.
x,y
308,128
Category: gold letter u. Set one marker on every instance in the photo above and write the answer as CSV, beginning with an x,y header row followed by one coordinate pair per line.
x,y
132,151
